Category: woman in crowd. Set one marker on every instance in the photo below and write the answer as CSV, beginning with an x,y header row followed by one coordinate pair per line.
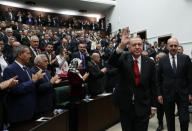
x,y
76,79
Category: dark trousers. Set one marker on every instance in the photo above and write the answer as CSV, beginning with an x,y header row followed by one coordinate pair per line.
x,y
1,116
131,122
169,108
160,114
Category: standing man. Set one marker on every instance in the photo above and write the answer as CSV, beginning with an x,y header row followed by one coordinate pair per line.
x,y
82,54
174,86
180,49
34,49
96,79
44,87
135,95
21,99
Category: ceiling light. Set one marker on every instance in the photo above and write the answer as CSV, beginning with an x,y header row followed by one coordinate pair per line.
x,y
68,12
97,16
13,4
110,2
41,9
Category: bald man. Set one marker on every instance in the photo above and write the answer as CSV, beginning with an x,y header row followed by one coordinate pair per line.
x,y
174,85
96,77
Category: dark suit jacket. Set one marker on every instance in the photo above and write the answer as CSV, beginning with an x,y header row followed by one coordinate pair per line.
x,y
8,54
21,100
77,55
43,44
1,104
31,61
29,22
95,79
25,41
44,92
144,95
8,17
170,83
51,67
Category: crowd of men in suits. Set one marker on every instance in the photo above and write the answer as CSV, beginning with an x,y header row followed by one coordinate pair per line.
x,y
31,58
52,20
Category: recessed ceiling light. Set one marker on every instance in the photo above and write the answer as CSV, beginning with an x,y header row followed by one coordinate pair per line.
x,y
13,4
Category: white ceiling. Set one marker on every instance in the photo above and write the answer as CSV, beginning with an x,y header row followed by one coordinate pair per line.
x,y
95,6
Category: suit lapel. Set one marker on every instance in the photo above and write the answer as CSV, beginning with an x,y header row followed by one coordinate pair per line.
x,y
143,67
21,72
168,62
179,62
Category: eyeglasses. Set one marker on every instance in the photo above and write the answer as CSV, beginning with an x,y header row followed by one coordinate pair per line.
x,y
173,45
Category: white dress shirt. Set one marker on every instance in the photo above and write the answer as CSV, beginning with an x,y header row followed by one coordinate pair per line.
x,y
171,60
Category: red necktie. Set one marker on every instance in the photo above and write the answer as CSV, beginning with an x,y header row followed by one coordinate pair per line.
x,y
136,73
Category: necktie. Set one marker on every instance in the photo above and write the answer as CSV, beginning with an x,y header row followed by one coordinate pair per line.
x,y
136,73
25,69
83,60
174,64
36,52
45,76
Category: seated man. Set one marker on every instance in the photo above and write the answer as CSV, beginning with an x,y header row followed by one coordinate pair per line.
x,y
44,87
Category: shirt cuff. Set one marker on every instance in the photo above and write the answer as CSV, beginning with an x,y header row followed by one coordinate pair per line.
x,y
119,50
153,108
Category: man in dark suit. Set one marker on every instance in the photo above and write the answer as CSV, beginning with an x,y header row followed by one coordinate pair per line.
x,y
43,43
3,86
9,15
20,100
44,87
174,85
160,110
25,40
52,61
34,48
8,50
96,76
82,54
135,95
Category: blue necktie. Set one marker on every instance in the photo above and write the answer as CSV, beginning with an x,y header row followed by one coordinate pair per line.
x,y
25,69
83,60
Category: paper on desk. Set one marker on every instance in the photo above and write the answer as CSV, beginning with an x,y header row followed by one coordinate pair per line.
x,y
104,94
87,100
41,119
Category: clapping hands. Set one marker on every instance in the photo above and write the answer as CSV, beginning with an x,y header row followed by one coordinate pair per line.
x,y
37,76
55,80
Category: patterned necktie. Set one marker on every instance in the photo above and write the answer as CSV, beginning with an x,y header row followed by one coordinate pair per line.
x,y
83,60
25,69
136,73
174,64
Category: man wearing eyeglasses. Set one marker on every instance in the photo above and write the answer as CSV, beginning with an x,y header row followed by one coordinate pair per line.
x,y
174,85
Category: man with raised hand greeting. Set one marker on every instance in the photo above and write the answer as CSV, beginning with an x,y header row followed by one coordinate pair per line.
x,y
136,93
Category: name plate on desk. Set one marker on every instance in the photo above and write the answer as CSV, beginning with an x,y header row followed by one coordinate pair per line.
x,y
49,122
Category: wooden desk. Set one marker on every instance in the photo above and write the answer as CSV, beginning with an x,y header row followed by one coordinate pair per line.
x,y
96,115
56,123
